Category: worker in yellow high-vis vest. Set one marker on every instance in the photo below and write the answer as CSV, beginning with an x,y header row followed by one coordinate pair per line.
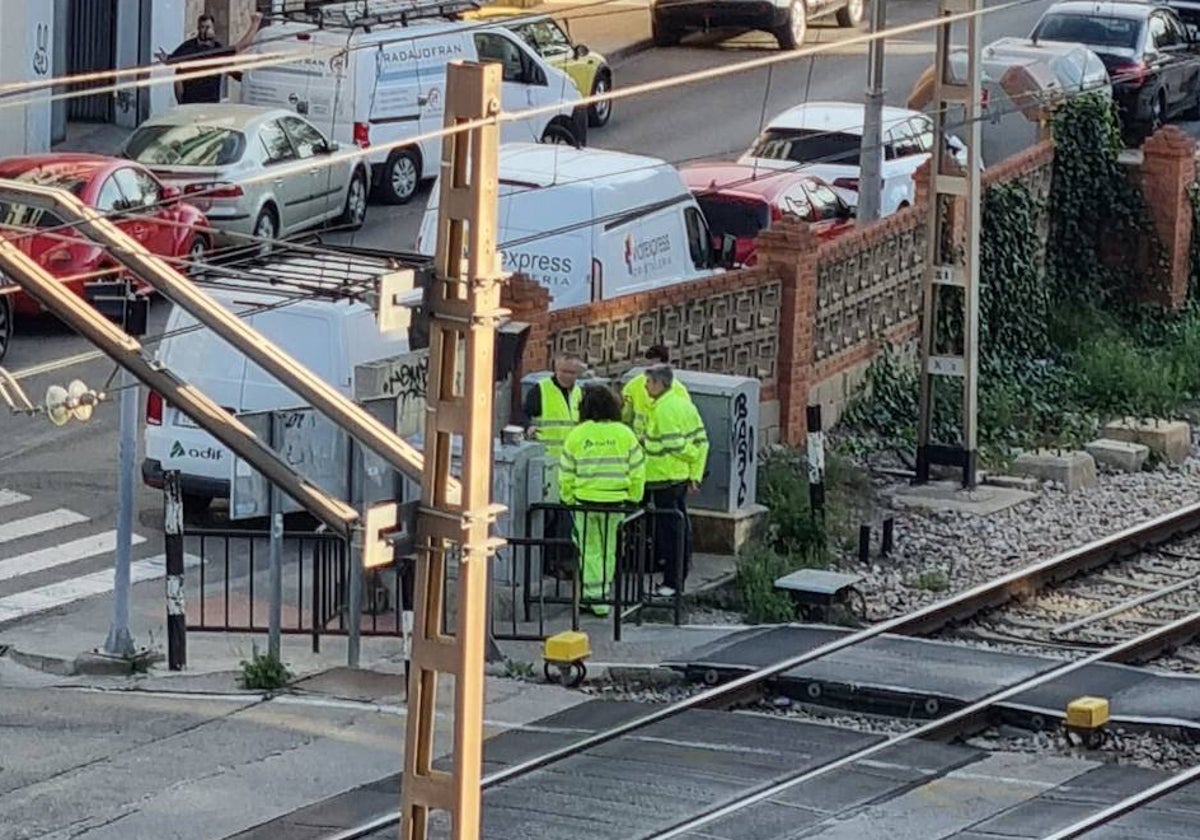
x,y
603,469
635,402
552,410
676,455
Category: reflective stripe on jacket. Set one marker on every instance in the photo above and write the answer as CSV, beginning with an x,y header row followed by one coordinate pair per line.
x,y
676,442
601,462
635,402
557,418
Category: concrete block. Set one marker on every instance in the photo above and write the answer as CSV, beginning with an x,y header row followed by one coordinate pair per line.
x,y
1073,469
1013,482
1170,438
1119,454
719,532
950,496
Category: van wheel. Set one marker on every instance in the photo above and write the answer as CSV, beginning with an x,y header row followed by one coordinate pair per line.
x,y
401,177
851,14
601,112
560,134
791,35
355,211
6,323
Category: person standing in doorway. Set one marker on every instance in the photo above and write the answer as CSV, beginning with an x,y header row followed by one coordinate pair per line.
x,y
676,454
205,45
635,403
602,466
551,410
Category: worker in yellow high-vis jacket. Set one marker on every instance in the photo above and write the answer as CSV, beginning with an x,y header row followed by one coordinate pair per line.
x,y
635,402
676,455
602,468
552,411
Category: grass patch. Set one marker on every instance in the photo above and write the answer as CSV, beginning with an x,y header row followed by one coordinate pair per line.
x,y
264,672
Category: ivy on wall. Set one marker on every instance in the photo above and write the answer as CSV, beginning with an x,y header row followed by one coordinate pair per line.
x,y
1062,348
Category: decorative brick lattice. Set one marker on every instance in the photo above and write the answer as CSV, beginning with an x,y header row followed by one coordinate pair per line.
x,y
732,332
864,292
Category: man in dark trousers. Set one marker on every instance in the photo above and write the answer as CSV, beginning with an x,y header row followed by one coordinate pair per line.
x,y
205,45
551,411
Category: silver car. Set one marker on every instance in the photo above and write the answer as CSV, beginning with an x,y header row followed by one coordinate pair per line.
x,y
209,151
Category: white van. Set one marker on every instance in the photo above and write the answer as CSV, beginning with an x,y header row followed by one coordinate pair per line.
x,y
382,84
590,224
329,337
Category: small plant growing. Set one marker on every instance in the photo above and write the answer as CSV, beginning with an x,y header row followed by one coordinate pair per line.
x,y
518,670
757,570
264,672
935,581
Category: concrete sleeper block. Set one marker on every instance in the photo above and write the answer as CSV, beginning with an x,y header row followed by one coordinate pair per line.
x,y
1169,438
1071,468
1119,454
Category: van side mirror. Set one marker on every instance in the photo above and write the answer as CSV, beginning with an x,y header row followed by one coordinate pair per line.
x,y
847,212
332,148
581,51
726,256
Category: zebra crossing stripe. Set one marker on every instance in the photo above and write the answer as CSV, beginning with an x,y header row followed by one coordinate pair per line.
x,y
39,524
61,555
11,497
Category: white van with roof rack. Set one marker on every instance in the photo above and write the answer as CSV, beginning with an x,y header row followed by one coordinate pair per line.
x,y
592,224
377,80
294,301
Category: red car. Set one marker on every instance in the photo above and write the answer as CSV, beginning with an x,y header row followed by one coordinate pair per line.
x,y
742,201
140,205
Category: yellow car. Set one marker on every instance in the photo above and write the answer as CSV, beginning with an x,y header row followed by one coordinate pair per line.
x,y
588,70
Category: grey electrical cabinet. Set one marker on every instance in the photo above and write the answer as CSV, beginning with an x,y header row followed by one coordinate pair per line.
x,y
517,483
729,407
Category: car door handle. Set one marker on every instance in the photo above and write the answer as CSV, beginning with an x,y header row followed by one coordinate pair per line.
x,y
279,182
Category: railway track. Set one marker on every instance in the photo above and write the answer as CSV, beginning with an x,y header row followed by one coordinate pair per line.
x,y
1154,584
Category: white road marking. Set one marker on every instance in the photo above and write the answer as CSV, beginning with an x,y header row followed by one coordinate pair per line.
x,y
61,554
42,522
45,598
10,497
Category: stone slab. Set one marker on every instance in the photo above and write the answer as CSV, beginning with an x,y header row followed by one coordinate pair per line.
x,y
951,496
722,533
1073,469
1122,455
1169,438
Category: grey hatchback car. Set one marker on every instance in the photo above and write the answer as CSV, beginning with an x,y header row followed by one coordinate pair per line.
x,y
221,157
787,20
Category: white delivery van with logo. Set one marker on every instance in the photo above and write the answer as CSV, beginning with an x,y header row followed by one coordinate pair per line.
x,y
328,337
379,84
590,224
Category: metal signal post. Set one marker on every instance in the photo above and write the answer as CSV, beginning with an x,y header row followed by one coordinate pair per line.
x,y
952,253
464,310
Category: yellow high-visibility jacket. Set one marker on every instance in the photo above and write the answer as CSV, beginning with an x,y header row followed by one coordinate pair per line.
x,y
558,417
635,402
676,442
601,462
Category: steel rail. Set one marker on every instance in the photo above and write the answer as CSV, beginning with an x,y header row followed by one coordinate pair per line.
x,y
1126,805
923,621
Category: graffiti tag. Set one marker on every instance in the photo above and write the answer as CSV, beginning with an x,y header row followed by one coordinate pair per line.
x,y
743,446
41,49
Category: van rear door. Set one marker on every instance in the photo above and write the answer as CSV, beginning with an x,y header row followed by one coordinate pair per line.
x,y
307,339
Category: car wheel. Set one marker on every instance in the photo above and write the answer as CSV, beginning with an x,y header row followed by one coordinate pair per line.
x,y
662,36
401,177
1158,112
791,35
196,252
851,14
1193,111
557,134
266,227
6,323
355,211
600,112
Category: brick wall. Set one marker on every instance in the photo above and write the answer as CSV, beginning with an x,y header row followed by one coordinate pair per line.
x,y
1166,175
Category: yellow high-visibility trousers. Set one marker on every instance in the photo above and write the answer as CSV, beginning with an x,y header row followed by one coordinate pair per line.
x,y
595,536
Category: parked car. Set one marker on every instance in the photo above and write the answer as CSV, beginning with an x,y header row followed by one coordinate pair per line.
x,y
381,83
588,70
1150,55
140,205
787,20
743,201
825,139
210,151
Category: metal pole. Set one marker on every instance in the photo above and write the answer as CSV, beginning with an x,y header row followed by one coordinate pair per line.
x,y
173,548
119,641
816,463
870,181
275,552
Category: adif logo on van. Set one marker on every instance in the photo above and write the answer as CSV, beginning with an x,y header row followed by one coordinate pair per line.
x,y
208,453
648,255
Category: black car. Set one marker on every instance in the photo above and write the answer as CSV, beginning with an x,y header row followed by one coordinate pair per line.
x,y
1151,57
787,20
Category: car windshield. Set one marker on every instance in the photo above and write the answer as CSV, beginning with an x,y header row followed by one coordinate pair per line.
x,y
545,38
736,217
185,145
807,146
1094,30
